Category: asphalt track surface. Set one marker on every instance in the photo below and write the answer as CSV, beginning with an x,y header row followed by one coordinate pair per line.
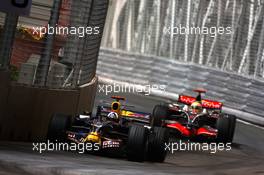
x,y
246,156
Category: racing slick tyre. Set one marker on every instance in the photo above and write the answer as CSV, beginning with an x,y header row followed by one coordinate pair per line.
x,y
137,143
232,127
58,126
156,148
226,127
160,113
98,111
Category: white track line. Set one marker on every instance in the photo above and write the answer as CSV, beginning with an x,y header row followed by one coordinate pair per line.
x,y
250,124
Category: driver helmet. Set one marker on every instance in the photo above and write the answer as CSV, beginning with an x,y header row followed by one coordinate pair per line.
x,y
113,116
196,107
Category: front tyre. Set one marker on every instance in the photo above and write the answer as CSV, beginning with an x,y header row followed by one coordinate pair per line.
x,y
156,150
137,143
58,126
159,114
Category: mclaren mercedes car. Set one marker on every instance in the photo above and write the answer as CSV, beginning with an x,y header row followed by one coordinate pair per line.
x,y
195,118
113,129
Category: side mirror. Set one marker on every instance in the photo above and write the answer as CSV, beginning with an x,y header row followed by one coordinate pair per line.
x,y
185,108
84,116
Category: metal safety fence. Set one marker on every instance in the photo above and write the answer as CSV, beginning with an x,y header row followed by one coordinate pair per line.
x,y
56,46
227,35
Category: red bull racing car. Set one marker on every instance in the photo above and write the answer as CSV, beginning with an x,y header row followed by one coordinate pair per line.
x,y
113,129
195,118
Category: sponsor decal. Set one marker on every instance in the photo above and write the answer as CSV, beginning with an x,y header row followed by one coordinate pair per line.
x,y
111,144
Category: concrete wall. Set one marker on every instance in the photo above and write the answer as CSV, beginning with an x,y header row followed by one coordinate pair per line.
x,y
25,111
4,79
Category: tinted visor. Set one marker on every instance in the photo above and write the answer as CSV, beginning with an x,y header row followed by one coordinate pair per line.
x,y
115,106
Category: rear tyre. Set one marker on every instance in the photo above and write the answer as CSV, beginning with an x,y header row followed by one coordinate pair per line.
x,y
226,127
58,126
160,113
156,149
137,143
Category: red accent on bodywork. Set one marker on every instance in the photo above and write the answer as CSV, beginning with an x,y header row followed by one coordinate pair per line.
x,y
205,131
188,132
118,98
200,90
188,100
184,130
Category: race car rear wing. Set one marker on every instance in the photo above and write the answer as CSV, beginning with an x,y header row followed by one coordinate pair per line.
x,y
209,104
